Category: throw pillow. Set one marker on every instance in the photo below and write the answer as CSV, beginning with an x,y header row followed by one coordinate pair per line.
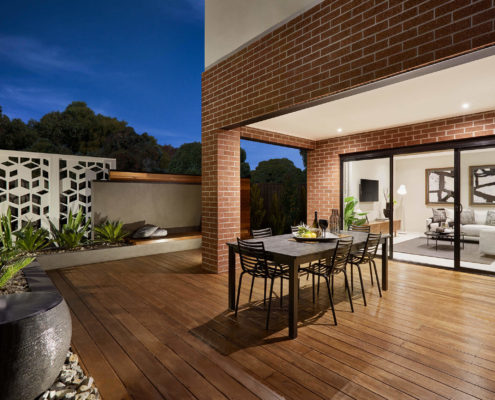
x,y
439,215
467,217
490,218
144,232
160,232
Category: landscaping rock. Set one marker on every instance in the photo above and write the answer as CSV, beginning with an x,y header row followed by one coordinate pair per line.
x,y
72,384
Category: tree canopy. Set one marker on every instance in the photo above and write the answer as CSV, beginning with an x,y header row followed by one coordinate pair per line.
x,y
277,170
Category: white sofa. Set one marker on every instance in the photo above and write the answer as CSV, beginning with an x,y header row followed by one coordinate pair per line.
x,y
471,231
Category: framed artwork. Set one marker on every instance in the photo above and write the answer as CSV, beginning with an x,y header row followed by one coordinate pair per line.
x,y
482,185
439,186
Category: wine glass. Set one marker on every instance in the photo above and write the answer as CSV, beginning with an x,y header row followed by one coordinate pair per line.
x,y
323,223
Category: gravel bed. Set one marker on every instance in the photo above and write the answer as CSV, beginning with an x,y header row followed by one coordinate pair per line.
x,y
17,284
72,383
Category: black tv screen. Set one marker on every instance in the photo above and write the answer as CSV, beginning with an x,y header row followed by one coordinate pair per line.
x,y
368,190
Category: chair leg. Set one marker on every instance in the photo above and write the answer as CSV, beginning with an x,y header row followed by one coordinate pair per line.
x,y
332,285
348,292
352,279
361,280
281,292
238,293
318,289
270,303
307,276
371,273
330,296
251,291
313,279
377,279
264,296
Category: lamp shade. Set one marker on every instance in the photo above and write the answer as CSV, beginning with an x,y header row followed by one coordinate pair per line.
x,y
402,190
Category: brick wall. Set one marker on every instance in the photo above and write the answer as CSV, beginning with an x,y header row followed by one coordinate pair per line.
x,y
324,164
337,45
332,47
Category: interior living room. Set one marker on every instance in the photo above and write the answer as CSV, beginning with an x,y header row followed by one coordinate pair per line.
x,y
423,205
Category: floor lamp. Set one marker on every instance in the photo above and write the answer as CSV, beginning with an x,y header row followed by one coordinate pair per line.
x,y
402,191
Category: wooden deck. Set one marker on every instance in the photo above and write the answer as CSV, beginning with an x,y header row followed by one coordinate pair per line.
x,y
158,327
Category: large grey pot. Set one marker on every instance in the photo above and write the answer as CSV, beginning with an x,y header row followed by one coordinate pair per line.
x,y
35,334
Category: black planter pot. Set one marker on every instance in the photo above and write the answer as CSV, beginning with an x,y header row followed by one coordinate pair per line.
x,y
35,334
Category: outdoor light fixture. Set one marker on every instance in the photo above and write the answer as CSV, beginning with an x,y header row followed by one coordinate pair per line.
x,y
339,130
465,105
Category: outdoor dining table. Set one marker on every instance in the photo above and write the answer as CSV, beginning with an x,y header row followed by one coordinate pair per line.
x,y
283,249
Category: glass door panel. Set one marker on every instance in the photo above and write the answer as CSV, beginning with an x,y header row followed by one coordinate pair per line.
x,y
423,190
477,218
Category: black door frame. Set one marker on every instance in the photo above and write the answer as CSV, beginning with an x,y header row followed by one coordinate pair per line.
x,y
457,146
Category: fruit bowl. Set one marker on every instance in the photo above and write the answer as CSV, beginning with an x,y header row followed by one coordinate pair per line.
x,y
308,234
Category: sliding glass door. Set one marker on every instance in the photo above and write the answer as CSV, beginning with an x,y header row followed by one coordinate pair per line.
x,y
477,209
424,194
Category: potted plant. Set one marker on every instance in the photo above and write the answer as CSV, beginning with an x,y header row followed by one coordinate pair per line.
x,y
386,210
35,325
351,215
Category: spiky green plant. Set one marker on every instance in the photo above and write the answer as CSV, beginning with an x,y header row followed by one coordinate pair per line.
x,y
30,239
12,267
110,232
6,237
73,233
351,217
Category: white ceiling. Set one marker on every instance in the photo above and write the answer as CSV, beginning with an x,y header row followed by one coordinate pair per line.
x,y
434,96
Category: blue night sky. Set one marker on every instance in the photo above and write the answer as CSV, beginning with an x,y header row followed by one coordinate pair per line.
x,y
137,61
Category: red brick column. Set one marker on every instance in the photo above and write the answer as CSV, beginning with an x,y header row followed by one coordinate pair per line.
x,y
221,196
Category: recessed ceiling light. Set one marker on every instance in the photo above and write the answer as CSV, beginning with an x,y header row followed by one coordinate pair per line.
x,y
339,130
465,105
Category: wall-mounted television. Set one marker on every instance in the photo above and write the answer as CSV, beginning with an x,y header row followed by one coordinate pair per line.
x,y
368,190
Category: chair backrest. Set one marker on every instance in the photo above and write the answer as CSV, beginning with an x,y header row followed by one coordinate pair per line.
x,y
253,257
372,243
360,228
341,254
261,233
294,229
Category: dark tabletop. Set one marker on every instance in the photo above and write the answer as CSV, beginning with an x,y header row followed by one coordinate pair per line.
x,y
285,246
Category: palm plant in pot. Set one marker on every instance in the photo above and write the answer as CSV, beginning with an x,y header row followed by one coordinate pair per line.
x,y
351,215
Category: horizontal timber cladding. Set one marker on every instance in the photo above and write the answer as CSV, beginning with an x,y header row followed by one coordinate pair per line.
x,y
333,47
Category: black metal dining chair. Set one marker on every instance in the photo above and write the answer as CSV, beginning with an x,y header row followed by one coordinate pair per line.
x,y
335,264
360,228
365,229
366,255
261,233
254,262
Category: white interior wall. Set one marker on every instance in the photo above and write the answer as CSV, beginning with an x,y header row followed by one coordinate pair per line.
x,y
377,169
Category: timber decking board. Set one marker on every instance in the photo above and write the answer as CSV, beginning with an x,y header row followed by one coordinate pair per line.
x,y
158,327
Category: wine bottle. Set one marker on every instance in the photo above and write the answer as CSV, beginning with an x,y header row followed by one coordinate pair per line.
x,y
315,221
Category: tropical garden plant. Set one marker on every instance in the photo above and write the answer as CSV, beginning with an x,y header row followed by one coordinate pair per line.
x,y
11,263
73,233
32,239
6,237
351,216
110,232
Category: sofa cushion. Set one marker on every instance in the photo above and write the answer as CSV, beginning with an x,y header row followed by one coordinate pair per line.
x,y
439,215
467,217
474,229
450,214
160,232
490,218
144,232
480,217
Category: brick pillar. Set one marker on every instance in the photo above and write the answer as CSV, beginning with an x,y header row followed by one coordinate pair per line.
x,y
323,174
221,196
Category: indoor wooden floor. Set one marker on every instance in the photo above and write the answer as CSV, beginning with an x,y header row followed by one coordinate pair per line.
x,y
158,327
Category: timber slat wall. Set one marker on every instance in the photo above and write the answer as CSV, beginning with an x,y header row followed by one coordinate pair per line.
x,y
124,176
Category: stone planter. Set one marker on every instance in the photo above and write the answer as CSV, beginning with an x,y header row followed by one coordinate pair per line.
x,y
35,334
92,256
